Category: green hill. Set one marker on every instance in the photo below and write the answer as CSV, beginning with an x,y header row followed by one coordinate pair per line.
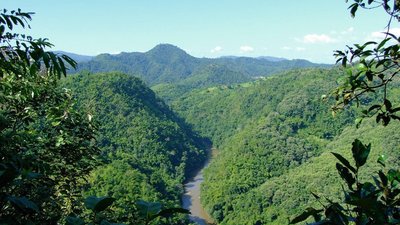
x,y
208,76
281,197
270,133
166,63
148,151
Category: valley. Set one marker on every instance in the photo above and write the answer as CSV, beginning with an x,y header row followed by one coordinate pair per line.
x,y
241,126
266,129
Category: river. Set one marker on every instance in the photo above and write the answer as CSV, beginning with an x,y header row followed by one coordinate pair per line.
x,y
191,198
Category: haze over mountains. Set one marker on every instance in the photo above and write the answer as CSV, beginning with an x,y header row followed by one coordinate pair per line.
x,y
166,63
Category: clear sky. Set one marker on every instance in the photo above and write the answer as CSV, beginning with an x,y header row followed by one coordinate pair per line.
x,y
307,29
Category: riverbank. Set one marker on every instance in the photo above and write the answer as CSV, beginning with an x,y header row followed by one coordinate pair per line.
x,y
191,198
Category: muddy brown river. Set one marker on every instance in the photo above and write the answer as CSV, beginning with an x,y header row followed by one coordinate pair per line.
x,y
191,198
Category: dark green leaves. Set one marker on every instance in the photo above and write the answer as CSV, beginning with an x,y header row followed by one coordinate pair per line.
x,y
382,160
8,172
22,203
353,9
151,210
307,213
360,152
360,156
373,67
148,209
346,175
171,211
71,220
344,162
98,204
364,202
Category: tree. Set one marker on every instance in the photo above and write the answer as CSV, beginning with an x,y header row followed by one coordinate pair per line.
x,y
46,145
371,68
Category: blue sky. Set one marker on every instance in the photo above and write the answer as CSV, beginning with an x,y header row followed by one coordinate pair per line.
x,y
308,29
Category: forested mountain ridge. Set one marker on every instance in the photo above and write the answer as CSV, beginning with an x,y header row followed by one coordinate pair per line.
x,y
264,130
166,63
148,151
221,111
277,200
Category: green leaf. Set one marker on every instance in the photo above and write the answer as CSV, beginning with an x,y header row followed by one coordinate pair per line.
x,y
364,203
381,160
148,209
385,119
105,222
360,152
383,43
374,107
395,110
170,211
369,75
393,175
23,203
7,175
346,175
388,105
358,122
98,204
353,9
72,220
315,195
309,212
383,178
344,162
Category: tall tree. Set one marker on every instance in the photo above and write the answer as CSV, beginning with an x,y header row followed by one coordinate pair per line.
x,y
371,68
46,145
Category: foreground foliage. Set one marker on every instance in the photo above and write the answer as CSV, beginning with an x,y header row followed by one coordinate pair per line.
x,y
47,146
377,67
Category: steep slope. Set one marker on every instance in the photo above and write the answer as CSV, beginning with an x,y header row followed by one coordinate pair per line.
x,y
163,64
214,74
220,112
207,76
272,135
166,63
148,151
284,196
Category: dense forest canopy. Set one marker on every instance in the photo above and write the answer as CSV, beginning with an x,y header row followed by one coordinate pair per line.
x,y
166,63
148,151
116,139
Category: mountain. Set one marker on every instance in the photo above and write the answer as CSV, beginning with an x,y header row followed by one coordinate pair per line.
x,y
214,74
207,76
147,151
271,58
167,63
78,58
274,137
162,64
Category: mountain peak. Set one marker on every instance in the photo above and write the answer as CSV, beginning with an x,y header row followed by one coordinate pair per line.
x,y
166,48
168,54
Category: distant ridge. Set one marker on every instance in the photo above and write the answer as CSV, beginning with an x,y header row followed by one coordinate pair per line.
x,y
166,63
271,58
78,58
